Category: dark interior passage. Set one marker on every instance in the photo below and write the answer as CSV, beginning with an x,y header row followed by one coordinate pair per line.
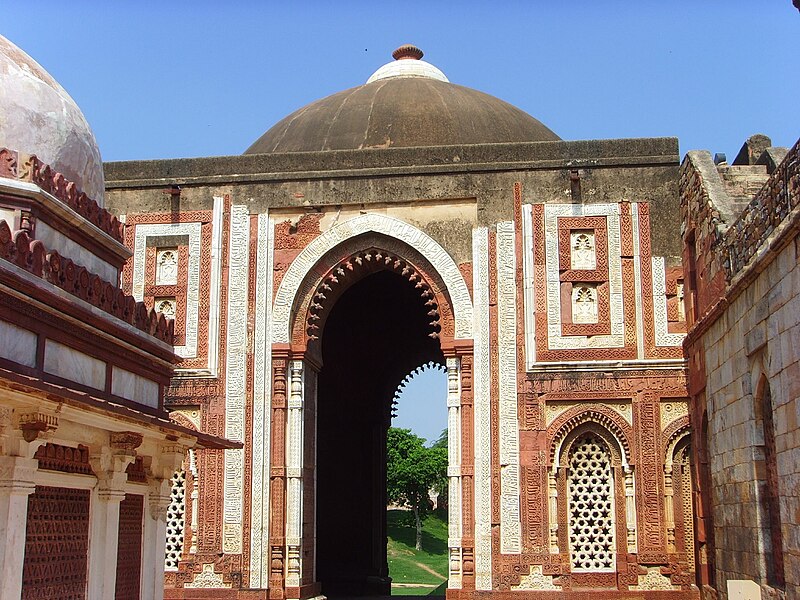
x,y
377,332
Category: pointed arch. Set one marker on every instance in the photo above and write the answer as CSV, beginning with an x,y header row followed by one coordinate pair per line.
x,y
442,263
355,259
608,424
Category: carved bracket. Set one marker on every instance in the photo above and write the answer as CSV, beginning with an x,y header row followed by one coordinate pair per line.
x,y
35,424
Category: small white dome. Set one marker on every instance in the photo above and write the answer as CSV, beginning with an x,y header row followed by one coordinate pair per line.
x,y
37,116
408,63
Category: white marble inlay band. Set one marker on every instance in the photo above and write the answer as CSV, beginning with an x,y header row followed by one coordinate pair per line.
x,y
294,470
236,378
192,230
663,337
262,383
53,239
529,293
134,387
508,425
68,363
215,287
391,227
482,415
18,344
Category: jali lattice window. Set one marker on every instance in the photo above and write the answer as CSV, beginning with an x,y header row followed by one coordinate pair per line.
x,y
591,506
167,266
176,517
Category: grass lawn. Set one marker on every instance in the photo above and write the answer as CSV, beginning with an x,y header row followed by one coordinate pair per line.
x,y
427,567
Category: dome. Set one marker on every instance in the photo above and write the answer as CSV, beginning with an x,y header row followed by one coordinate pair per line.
x,y
405,103
37,116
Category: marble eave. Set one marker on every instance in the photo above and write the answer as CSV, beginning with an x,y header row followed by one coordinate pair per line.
x,y
23,195
28,288
30,393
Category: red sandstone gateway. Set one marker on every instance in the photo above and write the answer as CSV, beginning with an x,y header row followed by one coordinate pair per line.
x,y
405,221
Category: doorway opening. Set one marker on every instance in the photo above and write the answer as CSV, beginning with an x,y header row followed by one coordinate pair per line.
x,y
417,485
377,332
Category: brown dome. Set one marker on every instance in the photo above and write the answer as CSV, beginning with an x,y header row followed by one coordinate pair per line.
x,y
404,106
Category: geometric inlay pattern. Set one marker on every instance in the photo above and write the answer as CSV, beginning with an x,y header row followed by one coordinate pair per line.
x,y
189,347
663,337
176,516
591,506
56,544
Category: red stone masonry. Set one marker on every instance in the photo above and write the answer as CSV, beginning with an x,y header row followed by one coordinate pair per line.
x,y
27,167
18,248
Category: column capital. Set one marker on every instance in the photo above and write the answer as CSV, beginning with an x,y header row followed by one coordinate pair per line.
x,y
111,495
458,347
109,465
169,459
158,505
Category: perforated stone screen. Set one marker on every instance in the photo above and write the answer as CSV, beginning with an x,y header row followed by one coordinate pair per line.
x,y
591,506
176,518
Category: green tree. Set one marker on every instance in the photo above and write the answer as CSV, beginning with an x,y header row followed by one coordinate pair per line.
x,y
411,471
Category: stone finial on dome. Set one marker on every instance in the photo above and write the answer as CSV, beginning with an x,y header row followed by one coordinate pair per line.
x,y
408,51
408,63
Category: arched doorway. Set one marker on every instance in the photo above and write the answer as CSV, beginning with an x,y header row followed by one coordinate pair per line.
x,y
364,303
376,333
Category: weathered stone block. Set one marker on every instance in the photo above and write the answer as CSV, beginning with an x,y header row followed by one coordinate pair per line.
x,y
755,339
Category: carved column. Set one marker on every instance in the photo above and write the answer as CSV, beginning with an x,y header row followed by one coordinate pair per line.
x,y
154,534
109,464
552,506
294,474
669,510
454,470
630,509
16,484
467,472
277,534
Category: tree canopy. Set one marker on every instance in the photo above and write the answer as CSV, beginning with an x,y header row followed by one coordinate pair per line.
x,y
412,470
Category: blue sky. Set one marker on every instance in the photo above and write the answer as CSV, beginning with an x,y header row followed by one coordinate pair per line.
x,y
200,78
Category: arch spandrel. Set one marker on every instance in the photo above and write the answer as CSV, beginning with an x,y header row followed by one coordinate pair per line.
x,y
306,271
607,423
673,434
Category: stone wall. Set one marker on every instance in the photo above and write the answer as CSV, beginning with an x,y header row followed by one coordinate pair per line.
x,y
758,334
745,333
